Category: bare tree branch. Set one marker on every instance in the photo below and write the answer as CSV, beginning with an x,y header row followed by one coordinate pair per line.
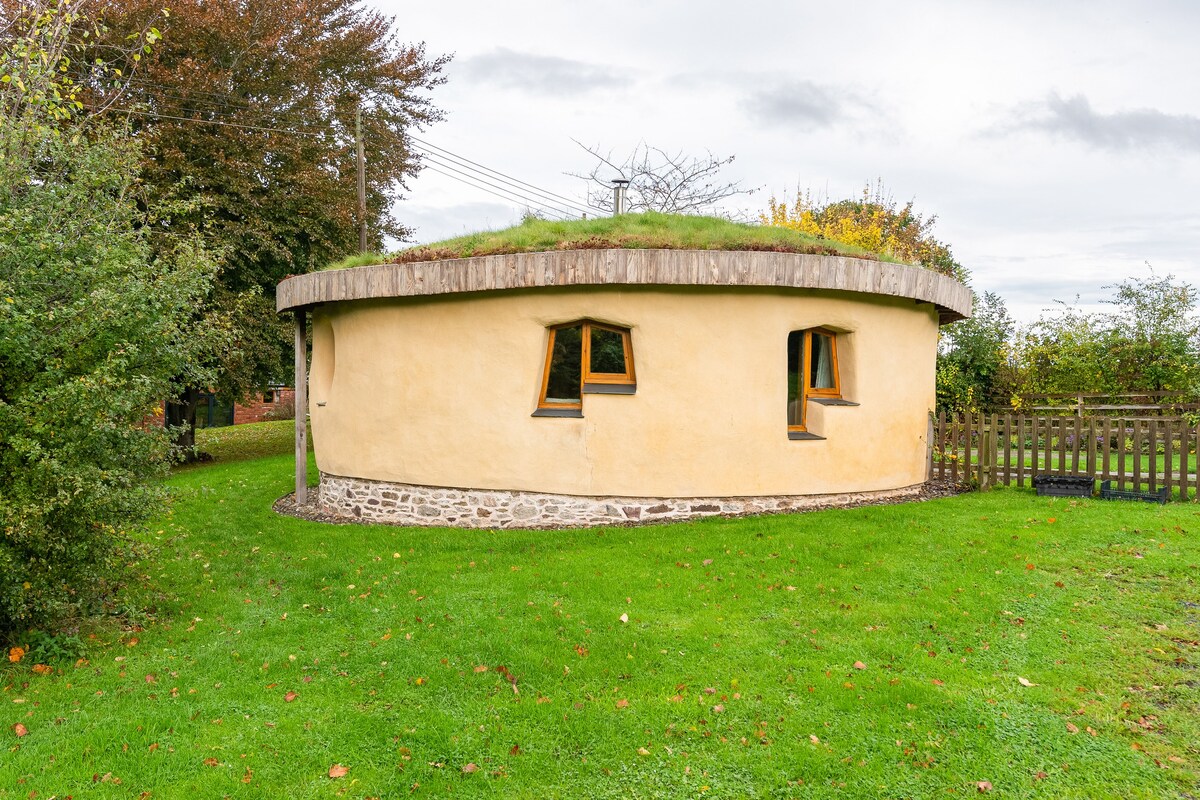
x,y
674,183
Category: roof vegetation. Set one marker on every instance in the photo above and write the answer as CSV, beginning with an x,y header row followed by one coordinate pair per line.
x,y
649,230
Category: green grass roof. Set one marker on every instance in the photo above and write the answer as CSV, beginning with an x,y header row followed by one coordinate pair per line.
x,y
649,230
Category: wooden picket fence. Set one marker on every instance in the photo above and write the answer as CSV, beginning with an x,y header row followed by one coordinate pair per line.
x,y
1009,449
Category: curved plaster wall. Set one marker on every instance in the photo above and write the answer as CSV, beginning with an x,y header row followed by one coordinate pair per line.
x,y
439,390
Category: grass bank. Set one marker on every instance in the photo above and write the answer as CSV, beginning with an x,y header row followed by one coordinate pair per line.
x,y
1043,646
648,230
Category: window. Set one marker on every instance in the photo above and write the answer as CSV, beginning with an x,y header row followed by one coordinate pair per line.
x,y
584,358
812,372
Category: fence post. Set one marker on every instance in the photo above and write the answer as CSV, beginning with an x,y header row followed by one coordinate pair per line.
x,y
987,453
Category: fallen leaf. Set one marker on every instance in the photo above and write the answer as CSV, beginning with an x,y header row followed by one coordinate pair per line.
x,y
515,750
1040,776
153,747
983,786
481,668
338,771
1024,682
42,669
812,737
20,730
211,762
1091,731
624,618
859,665
622,703
936,682
709,690
1072,728
289,697
643,751
15,654
469,768
249,774
718,708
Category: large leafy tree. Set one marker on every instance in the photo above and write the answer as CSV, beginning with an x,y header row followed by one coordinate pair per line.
x,y
973,368
247,115
95,322
1150,341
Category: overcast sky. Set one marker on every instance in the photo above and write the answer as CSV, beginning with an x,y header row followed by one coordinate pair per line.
x,y
1057,143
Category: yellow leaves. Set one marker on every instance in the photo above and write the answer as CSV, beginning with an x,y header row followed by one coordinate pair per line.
x,y
338,771
42,669
16,654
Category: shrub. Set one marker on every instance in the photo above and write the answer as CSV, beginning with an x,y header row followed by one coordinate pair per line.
x,y
93,328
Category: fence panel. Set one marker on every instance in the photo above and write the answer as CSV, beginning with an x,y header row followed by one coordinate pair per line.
x,y
1134,453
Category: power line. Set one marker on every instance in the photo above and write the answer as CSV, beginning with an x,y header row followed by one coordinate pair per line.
x,y
156,115
519,186
432,146
539,201
497,194
557,205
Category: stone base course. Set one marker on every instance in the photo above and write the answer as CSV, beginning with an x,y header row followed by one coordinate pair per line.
x,y
359,499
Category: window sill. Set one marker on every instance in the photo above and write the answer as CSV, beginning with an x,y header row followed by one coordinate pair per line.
x,y
559,412
832,401
609,388
804,436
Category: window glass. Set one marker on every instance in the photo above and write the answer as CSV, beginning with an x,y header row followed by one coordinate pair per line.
x,y
795,399
608,351
820,364
566,366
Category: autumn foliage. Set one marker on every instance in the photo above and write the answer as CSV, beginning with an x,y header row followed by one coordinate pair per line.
x,y
874,222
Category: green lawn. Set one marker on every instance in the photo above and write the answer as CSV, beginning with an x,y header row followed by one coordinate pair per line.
x,y
1045,646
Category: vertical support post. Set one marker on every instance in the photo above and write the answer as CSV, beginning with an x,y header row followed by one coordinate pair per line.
x,y
929,448
301,409
362,180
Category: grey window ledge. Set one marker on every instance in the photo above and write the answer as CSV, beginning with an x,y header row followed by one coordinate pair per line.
x,y
804,436
609,388
832,401
559,412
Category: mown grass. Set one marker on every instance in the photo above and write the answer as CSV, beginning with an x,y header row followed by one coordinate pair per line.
x,y
649,230
735,675
244,442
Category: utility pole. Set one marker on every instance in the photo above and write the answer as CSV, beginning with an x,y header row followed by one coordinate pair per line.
x,y
362,180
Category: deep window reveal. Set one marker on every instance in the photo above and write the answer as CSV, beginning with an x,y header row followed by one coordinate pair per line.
x,y
812,372
584,357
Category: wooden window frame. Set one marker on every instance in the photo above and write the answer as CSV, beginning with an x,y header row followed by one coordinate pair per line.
x,y
625,382
836,390
803,387
626,378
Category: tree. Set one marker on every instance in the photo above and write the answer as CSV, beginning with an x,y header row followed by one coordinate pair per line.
x,y
93,325
246,112
1155,334
873,222
659,180
973,369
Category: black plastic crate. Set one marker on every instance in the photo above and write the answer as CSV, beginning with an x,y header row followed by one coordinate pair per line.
x,y
1109,493
1064,485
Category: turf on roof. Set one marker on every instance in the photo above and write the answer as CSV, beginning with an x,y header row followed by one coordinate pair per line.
x,y
649,230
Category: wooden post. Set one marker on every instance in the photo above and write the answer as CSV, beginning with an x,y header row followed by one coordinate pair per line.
x,y
301,409
362,180
1021,448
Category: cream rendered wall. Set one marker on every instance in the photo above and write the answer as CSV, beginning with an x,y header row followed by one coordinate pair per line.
x,y
440,391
